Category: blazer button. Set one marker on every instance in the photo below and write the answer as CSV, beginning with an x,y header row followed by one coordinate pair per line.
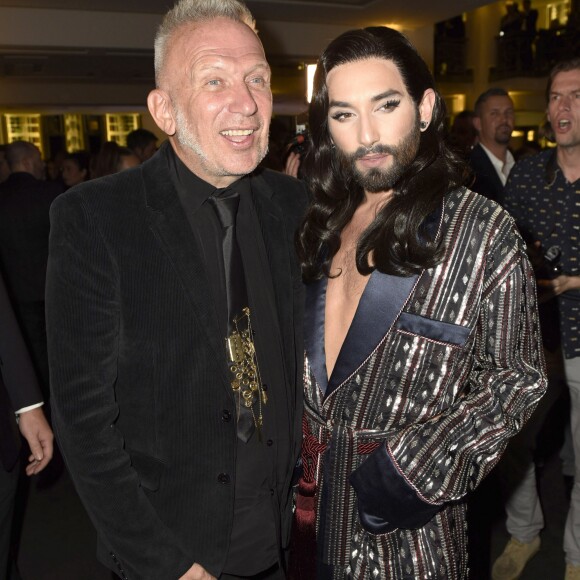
x,y
269,443
226,416
223,478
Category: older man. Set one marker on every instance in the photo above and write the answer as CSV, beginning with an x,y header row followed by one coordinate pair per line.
x,y
172,297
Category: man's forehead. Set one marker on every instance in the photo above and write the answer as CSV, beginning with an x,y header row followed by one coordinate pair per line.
x,y
361,66
373,75
220,37
213,59
567,78
499,102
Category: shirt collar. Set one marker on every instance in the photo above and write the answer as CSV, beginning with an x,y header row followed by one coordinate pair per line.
x,y
194,189
498,164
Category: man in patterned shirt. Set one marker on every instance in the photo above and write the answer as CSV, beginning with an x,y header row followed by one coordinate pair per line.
x,y
543,195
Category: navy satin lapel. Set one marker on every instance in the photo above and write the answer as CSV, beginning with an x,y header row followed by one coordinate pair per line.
x,y
314,330
379,306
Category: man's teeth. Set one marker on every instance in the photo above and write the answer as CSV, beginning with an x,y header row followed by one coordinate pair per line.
x,y
237,133
563,123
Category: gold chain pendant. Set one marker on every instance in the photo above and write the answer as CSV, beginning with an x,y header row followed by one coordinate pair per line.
x,y
246,382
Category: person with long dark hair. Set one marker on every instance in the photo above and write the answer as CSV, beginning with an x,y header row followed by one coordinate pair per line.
x,y
423,353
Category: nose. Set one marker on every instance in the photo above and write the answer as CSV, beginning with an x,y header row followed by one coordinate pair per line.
x,y
564,102
243,101
368,133
506,117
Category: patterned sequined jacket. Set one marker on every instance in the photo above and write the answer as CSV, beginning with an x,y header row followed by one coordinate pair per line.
x,y
436,373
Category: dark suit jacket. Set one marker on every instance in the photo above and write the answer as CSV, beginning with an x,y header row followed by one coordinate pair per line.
x,y
529,21
18,383
487,181
24,226
140,391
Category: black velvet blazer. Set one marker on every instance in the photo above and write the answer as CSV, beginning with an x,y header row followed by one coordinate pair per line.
x,y
140,391
18,383
24,227
487,181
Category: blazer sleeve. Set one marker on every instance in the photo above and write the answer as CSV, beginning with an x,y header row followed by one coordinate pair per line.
x,y
16,366
83,327
440,460
504,381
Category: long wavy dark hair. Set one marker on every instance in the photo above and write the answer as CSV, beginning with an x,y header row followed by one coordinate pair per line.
x,y
397,238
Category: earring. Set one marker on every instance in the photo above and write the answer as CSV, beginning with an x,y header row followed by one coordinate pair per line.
x,y
423,125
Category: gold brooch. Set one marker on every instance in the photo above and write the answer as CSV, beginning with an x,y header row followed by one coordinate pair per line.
x,y
246,382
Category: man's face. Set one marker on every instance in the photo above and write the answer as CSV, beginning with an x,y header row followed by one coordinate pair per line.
x,y
373,121
218,82
496,121
72,174
564,108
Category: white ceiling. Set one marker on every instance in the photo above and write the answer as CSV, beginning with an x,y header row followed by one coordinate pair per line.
x,y
409,14
293,32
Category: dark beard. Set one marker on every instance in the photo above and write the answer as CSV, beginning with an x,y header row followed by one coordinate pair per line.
x,y
378,179
503,138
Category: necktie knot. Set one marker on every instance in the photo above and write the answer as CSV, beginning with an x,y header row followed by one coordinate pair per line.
x,y
225,203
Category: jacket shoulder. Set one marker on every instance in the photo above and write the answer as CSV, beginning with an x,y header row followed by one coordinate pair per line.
x,y
280,181
531,165
464,208
118,189
287,192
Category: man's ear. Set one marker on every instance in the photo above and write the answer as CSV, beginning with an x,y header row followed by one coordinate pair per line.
x,y
477,124
426,106
161,110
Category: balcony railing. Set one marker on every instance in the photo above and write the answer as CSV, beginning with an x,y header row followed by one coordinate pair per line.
x,y
518,54
450,57
524,55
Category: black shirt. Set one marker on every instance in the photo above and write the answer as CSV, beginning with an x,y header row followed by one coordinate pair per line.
x,y
254,544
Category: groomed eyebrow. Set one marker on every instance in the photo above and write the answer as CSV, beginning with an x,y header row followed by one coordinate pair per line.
x,y
380,97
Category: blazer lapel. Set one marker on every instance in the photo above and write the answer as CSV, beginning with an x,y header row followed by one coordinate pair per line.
x,y
379,306
314,330
277,249
171,227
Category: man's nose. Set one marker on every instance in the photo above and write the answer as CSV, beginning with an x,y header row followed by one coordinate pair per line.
x,y
243,101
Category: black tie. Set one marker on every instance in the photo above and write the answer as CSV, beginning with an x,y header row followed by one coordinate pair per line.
x,y
225,203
